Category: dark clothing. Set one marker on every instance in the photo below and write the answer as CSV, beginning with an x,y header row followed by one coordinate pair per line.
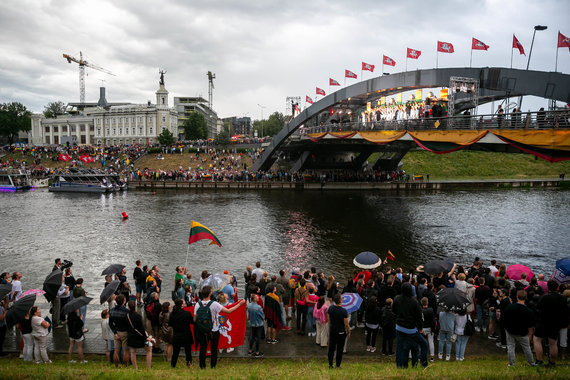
x,y
437,282
321,287
301,317
332,291
373,315
408,312
118,319
553,311
482,294
517,319
136,337
407,342
337,315
388,319
137,273
387,292
336,343
429,318
213,338
70,281
74,326
371,336
255,337
26,325
180,321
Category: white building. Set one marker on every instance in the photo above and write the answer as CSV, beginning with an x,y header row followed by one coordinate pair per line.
x,y
108,125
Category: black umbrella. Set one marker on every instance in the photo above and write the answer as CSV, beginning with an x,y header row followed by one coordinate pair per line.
x,y
437,266
52,284
452,299
113,269
19,309
367,260
75,304
5,289
108,291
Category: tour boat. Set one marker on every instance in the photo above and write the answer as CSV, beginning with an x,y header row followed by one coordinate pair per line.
x,y
81,181
14,180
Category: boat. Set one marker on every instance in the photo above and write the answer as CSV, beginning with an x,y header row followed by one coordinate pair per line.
x,y
14,180
40,182
81,181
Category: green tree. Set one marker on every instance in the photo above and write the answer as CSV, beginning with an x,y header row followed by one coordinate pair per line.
x,y
274,124
195,127
166,138
14,117
51,110
223,138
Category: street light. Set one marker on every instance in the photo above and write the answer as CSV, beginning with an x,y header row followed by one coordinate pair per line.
x,y
261,107
536,27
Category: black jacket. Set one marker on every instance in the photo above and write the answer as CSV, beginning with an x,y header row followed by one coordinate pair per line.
x,y
136,337
180,321
407,309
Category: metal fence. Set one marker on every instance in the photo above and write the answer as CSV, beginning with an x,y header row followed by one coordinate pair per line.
x,y
516,120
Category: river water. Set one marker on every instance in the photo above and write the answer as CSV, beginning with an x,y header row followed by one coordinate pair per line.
x,y
282,229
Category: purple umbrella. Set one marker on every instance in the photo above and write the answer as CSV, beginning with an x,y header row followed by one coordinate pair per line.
x,y
514,272
351,302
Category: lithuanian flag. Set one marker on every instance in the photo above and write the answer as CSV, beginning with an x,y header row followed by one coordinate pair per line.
x,y
200,232
390,256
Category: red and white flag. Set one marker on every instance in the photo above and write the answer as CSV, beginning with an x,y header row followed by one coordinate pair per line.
x,y
388,61
518,45
413,53
84,158
563,41
349,74
320,91
308,100
333,82
445,47
91,159
368,67
297,108
478,45
231,327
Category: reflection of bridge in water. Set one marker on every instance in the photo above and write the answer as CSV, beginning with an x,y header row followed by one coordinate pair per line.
x,y
312,141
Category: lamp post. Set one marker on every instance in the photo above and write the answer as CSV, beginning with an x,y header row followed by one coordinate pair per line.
x,y
261,107
536,27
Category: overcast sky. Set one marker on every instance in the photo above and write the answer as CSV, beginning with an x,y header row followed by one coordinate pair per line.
x,y
261,51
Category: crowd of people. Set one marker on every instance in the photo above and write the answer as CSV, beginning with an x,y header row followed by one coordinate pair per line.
x,y
402,307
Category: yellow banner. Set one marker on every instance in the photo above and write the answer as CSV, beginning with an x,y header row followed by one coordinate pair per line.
x,y
548,138
418,95
443,94
383,100
399,98
456,137
381,137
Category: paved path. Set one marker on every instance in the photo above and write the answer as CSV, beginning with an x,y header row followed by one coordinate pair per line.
x,y
290,344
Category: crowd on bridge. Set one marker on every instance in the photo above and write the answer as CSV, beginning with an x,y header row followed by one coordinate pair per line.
x,y
408,307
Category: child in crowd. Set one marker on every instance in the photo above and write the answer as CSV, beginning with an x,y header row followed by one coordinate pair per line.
x,y
107,335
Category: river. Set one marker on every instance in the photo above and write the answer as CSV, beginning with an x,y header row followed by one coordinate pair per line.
x,y
282,229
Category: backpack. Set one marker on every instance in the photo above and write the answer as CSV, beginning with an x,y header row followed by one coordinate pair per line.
x,y
204,318
150,310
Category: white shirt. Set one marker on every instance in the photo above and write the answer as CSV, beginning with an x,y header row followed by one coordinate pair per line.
x,y
17,288
258,274
493,269
215,309
37,328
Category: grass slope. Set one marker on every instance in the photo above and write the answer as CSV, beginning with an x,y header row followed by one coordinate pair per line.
x,y
270,368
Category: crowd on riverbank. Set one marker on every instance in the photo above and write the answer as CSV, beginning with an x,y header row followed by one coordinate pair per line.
x,y
405,307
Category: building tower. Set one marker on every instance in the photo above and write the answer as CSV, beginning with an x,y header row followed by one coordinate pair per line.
x,y
161,94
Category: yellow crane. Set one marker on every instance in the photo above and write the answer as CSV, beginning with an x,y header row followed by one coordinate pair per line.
x,y
82,64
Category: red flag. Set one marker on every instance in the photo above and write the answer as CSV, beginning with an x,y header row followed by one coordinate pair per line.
x,y
333,82
349,74
478,45
297,108
563,41
414,54
388,61
84,158
518,45
308,100
91,159
320,91
62,157
367,66
232,327
445,47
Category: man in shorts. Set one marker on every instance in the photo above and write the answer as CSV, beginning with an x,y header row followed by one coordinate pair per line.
x,y
119,326
552,316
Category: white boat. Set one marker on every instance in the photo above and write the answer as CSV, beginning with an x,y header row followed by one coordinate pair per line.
x,y
14,180
81,181
40,182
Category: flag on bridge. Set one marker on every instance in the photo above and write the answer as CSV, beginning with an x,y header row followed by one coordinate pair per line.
x,y
445,47
308,100
320,91
368,67
478,45
413,53
518,45
349,74
333,82
200,232
563,41
388,61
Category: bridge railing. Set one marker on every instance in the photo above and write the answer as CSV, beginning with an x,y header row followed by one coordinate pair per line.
x,y
515,120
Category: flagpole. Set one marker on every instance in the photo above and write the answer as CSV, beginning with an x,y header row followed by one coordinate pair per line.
x,y
187,251
406,63
361,78
471,57
556,64
436,58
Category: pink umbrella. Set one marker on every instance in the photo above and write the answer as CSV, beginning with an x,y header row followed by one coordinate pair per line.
x,y
514,272
37,292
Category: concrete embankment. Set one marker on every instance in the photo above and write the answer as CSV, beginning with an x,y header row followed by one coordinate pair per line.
x,y
144,185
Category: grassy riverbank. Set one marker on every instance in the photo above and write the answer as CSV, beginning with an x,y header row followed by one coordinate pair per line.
x,y
352,368
475,165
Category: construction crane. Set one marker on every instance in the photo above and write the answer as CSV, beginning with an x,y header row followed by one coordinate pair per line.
x,y
211,77
82,64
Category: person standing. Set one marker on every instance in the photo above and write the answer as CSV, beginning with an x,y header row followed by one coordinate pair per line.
x,y
461,341
209,332
500,116
39,332
256,317
180,321
139,281
137,336
119,325
16,286
3,326
373,315
301,296
258,272
409,326
552,316
75,332
518,320
272,312
339,330
320,313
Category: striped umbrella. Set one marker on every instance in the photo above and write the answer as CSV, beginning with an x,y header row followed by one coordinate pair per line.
x,y
351,302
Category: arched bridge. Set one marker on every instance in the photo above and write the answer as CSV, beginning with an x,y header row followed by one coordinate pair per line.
x,y
495,83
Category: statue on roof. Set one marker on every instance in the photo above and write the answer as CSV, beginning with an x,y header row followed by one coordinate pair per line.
x,y
162,72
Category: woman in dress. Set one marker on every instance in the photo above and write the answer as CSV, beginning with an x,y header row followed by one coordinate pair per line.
x,y
137,336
